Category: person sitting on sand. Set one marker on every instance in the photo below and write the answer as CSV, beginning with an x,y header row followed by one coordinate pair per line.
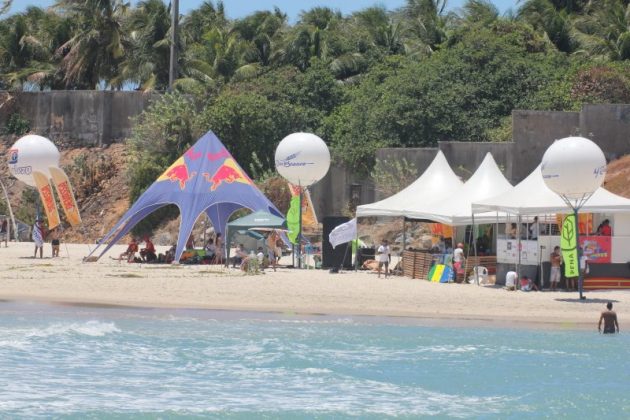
x,y
130,252
148,252
190,243
510,280
211,249
241,254
528,284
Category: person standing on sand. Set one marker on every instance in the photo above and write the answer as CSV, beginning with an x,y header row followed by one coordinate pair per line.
x,y
384,257
610,320
4,232
556,261
54,242
38,238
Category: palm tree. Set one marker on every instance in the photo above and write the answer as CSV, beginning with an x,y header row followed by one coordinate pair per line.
x,y
27,45
93,55
427,24
550,19
604,31
147,62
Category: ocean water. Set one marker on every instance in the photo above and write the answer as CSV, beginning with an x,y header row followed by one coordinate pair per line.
x,y
85,362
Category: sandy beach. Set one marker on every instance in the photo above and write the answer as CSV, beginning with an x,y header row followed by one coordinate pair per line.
x,y
108,282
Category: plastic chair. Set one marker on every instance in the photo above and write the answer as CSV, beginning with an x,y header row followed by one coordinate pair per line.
x,y
479,275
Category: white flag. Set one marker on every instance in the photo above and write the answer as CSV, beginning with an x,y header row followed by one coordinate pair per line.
x,y
343,233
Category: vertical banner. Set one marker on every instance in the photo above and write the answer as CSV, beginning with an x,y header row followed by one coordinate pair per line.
x,y
309,218
48,200
293,219
568,244
66,195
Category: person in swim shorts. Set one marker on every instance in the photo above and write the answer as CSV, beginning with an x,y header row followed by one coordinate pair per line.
x,y
610,320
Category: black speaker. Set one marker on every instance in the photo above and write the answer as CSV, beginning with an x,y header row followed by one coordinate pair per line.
x,y
334,258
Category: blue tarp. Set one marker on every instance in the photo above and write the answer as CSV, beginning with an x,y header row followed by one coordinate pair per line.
x,y
205,178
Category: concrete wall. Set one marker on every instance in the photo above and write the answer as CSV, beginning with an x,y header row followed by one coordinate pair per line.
x,y
82,117
608,126
533,132
465,157
331,196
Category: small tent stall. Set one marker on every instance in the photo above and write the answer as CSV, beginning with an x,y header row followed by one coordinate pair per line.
x,y
206,178
259,219
532,197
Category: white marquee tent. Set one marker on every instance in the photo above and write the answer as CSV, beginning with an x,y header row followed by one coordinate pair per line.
x,y
456,209
436,183
532,197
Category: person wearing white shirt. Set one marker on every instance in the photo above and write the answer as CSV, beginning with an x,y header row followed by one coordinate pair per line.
x,y
510,280
383,256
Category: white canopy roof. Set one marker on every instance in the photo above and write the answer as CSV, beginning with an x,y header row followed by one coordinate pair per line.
x,y
436,183
532,196
456,209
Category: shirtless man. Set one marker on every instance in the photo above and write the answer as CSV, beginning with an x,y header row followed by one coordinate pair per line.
x,y
610,320
556,260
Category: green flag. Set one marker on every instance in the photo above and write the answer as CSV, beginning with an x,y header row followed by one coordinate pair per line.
x,y
568,244
293,219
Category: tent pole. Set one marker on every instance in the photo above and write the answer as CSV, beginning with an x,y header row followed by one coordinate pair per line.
x,y
13,223
402,254
475,249
356,241
518,264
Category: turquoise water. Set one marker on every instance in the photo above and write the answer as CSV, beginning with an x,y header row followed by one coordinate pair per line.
x,y
81,362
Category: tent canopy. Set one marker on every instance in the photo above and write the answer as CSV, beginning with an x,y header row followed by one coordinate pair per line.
x,y
532,197
258,219
204,179
436,183
456,210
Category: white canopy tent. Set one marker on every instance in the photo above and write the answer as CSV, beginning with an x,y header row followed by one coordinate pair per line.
x,y
532,197
456,209
436,183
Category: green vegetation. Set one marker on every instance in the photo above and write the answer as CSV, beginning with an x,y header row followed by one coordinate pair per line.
x,y
376,78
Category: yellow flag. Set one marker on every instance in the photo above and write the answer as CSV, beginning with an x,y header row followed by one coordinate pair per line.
x,y
66,195
48,200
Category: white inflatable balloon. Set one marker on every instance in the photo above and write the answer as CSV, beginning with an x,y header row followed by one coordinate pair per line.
x,y
574,167
302,159
32,153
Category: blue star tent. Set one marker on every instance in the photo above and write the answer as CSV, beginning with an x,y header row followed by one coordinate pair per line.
x,y
206,178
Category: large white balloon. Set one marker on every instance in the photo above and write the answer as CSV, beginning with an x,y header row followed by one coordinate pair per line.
x,y
574,167
302,158
32,153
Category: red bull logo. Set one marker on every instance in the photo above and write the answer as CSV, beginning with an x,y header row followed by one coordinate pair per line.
x,y
192,155
216,156
229,172
178,172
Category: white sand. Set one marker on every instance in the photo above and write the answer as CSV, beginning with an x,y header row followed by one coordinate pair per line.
x,y
108,282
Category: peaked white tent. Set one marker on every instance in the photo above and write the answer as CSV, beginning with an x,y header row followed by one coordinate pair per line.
x,y
436,183
456,210
532,197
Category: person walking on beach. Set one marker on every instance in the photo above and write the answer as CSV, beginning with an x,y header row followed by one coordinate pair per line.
x,y
610,320
38,237
384,257
556,261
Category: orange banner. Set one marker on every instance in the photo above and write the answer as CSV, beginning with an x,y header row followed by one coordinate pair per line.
x,y
585,222
309,218
439,229
48,200
66,196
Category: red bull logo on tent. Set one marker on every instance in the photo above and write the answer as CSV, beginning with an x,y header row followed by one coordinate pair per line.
x,y
229,172
178,172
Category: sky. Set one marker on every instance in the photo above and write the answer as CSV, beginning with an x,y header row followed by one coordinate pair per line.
x,y
240,8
